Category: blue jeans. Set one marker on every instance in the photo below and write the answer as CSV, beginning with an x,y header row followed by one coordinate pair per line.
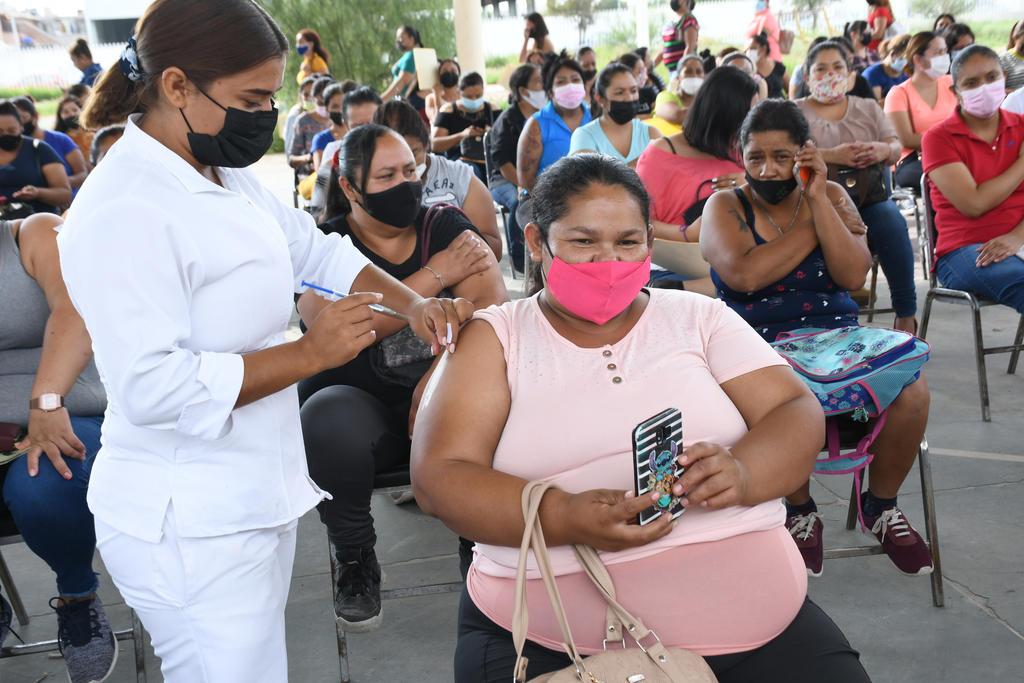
x,y
507,195
887,237
52,515
1002,281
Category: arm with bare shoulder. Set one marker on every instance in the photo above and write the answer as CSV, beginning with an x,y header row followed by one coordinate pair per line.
x,y
528,154
460,422
727,243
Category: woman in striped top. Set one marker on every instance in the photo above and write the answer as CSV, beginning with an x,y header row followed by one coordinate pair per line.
x,y
679,37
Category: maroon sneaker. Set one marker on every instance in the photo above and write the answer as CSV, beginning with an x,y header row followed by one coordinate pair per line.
x,y
901,543
806,532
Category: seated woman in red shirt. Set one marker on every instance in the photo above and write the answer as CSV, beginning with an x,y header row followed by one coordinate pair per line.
x,y
976,167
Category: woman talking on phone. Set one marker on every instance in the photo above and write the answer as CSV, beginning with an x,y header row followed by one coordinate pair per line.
x,y
184,270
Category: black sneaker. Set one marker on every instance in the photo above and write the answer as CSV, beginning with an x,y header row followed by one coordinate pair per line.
x,y
357,602
85,640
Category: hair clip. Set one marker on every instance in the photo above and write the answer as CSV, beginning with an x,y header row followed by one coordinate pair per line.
x,y
129,62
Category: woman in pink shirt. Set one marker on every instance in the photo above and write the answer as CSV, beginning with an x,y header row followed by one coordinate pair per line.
x,y
917,104
764,21
550,388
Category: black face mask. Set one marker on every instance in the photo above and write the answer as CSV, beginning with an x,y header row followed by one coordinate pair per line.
x,y
772,191
244,139
396,206
29,127
623,112
589,75
336,118
449,79
399,46
70,122
9,143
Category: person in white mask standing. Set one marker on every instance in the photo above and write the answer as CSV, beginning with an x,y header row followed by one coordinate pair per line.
x,y
974,161
917,104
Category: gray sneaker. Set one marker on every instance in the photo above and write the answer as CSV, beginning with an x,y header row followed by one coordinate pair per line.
x,y
85,640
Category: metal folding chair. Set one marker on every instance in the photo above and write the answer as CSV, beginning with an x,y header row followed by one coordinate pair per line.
x,y
8,536
963,297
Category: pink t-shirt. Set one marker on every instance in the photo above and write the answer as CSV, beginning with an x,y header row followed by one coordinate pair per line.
x,y
767,22
570,422
904,97
674,182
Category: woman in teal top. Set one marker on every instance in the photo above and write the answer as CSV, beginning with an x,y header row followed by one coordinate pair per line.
x,y
618,133
404,85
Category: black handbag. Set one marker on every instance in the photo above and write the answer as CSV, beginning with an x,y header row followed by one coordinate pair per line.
x,y
401,359
864,185
694,211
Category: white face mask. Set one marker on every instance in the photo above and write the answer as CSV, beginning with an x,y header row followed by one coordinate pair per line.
x,y
421,169
754,55
690,86
939,67
536,98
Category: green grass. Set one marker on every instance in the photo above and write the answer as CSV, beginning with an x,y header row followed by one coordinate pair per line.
x,y
37,93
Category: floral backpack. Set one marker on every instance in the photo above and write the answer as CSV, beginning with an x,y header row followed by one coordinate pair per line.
x,y
855,371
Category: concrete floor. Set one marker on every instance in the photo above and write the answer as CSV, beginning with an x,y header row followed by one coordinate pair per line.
x,y
979,480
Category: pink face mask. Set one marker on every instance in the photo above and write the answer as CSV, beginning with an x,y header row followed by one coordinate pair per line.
x,y
984,101
569,96
600,290
828,88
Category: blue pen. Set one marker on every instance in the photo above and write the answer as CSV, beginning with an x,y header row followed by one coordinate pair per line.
x,y
378,308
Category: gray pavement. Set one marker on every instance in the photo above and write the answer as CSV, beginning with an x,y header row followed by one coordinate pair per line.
x,y
978,471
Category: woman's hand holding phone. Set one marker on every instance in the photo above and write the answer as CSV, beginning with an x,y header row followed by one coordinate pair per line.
x,y
607,519
810,168
713,479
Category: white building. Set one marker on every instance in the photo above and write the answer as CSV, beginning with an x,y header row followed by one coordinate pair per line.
x,y
112,21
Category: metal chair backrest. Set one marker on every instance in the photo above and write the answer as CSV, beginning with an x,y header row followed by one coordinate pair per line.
x,y
930,234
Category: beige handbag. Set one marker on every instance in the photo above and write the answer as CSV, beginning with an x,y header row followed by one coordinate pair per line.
x,y
650,661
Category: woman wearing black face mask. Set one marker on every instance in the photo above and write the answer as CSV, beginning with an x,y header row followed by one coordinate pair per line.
x,y
859,35
31,172
618,132
69,109
447,88
357,417
785,254
184,269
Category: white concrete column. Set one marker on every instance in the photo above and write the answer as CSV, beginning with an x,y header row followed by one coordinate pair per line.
x,y
469,31
642,23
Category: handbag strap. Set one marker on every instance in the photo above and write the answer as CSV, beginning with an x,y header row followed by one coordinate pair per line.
x,y
616,618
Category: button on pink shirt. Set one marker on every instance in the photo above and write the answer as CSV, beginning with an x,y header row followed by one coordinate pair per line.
x,y
570,422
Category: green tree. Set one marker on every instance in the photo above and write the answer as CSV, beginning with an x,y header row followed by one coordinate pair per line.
x,y
933,8
361,36
580,10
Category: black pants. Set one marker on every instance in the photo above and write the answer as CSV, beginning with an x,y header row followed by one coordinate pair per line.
x,y
908,172
350,435
812,649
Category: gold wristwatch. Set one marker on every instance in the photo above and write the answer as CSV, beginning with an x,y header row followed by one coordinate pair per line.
x,y
47,403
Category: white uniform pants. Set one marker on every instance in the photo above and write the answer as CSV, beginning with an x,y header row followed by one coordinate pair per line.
x,y
213,606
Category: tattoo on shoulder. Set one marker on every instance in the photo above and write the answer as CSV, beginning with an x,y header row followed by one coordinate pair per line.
x,y
743,224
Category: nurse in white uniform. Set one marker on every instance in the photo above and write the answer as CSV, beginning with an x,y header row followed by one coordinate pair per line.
x,y
184,269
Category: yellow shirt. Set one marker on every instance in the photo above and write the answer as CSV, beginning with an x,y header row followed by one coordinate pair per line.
x,y
310,66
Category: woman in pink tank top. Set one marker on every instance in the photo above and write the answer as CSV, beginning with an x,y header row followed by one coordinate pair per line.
x,y
550,387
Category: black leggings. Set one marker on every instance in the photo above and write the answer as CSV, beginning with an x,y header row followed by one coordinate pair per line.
x,y
812,649
350,435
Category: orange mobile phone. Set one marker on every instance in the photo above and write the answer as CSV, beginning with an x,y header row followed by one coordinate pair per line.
x,y
805,176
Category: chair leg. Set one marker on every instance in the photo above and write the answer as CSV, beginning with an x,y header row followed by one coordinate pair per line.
x,y
923,330
851,513
139,643
1017,341
873,292
979,354
342,637
7,581
931,525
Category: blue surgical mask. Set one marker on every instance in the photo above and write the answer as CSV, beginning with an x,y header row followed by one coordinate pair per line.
x,y
953,54
760,6
473,105
302,49
898,64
